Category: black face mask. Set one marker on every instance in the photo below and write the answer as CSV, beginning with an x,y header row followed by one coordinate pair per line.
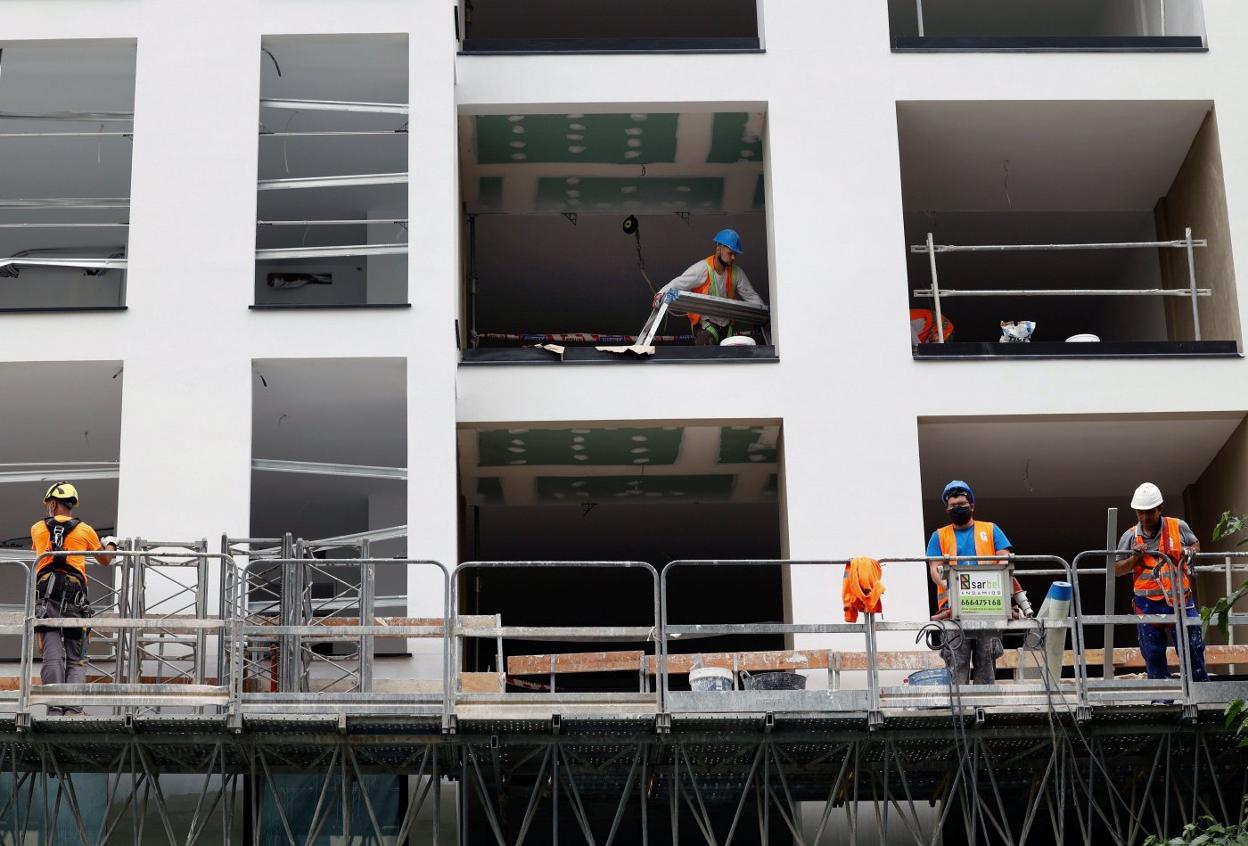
x,y
960,514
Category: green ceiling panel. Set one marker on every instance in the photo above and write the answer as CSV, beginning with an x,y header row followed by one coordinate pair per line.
x,y
744,445
731,142
601,193
490,490
598,139
634,490
760,194
579,447
490,193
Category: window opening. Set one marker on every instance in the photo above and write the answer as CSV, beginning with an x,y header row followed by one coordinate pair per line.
x,y
328,234
66,140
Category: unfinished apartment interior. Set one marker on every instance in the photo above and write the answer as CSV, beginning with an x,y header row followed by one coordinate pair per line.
x,y
574,220
1049,482
1133,177
1125,25
645,492
66,136
329,466
331,229
568,26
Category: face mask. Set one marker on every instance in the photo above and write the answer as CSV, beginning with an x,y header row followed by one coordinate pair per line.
x,y
960,514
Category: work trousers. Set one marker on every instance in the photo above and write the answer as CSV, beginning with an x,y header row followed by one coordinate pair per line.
x,y
64,656
972,656
1156,637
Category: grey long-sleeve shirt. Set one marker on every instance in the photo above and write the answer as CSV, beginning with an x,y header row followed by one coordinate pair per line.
x,y
696,275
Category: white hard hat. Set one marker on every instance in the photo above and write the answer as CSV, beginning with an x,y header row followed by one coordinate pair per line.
x,y
1147,497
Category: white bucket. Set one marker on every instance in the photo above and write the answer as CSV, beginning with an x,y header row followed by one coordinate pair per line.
x,y
738,341
710,678
1085,338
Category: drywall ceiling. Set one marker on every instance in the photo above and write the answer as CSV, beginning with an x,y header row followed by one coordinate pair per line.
x,y
1078,457
621,465
626,162
344,411
1043,156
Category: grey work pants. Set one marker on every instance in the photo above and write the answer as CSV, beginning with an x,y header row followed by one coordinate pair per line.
x,y
64,656
980,652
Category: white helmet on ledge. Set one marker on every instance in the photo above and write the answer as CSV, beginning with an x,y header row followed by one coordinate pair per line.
x,y
1147,497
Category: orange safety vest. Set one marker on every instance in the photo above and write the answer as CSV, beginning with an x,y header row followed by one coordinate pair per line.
x,y
729,284
1154,576
985,545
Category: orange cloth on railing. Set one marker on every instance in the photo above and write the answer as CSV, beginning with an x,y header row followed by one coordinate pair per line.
x,y
862,587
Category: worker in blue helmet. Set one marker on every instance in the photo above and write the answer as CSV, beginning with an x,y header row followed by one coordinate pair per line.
x,y
977,540
719,276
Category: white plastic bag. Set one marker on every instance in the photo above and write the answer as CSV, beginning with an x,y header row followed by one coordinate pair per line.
x,y
1018,332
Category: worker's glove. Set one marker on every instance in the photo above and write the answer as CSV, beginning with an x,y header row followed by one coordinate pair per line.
x,y
658,297
1188,551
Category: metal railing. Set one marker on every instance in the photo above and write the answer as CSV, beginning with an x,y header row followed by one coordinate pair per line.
x,y
1187,243
268,632
590,634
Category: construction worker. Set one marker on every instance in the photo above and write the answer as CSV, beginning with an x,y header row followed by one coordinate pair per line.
x,y
1160,549
61,587
719,276
965,536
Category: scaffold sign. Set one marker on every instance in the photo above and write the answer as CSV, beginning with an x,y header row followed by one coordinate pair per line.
x,y
981,591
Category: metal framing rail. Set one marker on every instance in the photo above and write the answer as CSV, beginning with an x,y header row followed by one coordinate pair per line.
x,y
931,249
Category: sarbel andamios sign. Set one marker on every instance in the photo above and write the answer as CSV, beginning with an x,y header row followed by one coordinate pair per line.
x,y
981,592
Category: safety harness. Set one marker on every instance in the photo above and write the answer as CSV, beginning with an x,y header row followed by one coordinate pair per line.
x,y
58,581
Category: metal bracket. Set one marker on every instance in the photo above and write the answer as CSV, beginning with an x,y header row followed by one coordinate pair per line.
x,y
685,216
234,722
21,722
662,723
980,716
342,723
451,725
556,723
1190,714
875,720
127,723
570,217
769,722
1083,714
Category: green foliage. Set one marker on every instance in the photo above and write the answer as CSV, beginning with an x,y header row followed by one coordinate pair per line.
x,y
1229,524
1207,831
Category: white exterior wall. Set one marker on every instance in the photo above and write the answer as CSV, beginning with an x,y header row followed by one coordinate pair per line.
x,y
846,388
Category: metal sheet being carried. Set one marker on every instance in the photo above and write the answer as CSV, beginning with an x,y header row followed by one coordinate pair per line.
x,y
283,253
334,106
683,302
348,180
320,468
67,203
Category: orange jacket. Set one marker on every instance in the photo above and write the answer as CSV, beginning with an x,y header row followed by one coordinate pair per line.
x,y
923,326
730,287
862,587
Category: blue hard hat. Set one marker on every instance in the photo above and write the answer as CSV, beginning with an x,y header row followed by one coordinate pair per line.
x,y
955,486
730,239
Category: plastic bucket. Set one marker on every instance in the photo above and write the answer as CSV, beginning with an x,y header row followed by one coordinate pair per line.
x,y
937,676
710,678
775,681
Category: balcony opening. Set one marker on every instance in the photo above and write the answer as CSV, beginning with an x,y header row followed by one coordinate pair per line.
x,y
653,492
66,136
1046,25
575,221
1072,216
329,465
1048,484
62,422
332,194
644,26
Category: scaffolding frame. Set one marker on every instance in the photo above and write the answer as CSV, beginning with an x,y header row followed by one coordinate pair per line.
x,y
1189,244
1011,765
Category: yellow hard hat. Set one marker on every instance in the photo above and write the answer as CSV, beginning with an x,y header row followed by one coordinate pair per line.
x,y
63,491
